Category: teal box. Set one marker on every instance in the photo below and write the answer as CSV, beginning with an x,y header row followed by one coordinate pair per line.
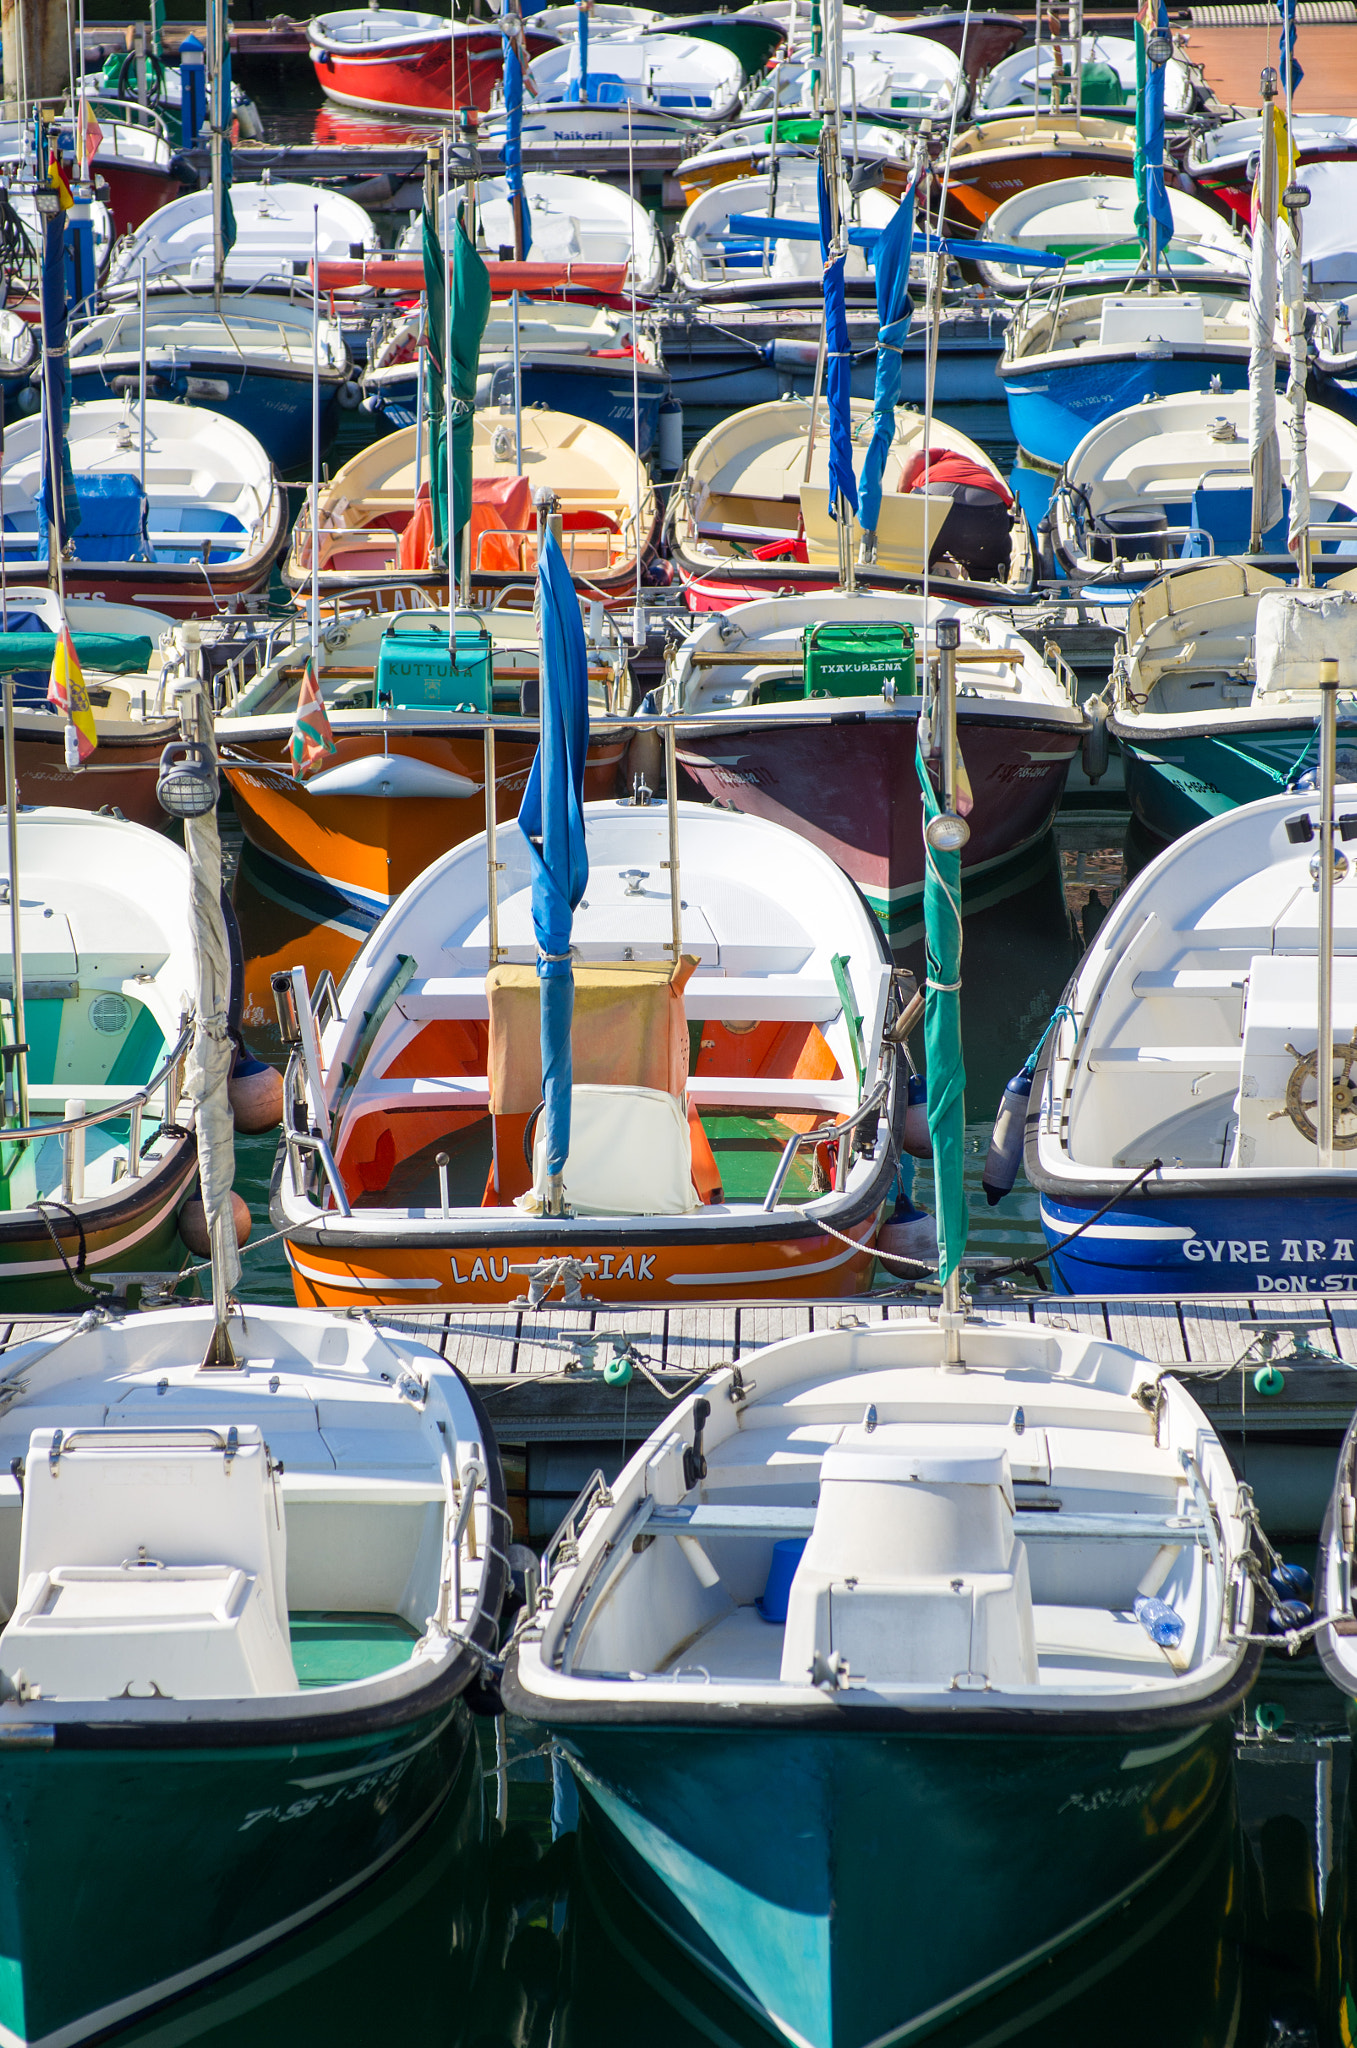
x,y
417,668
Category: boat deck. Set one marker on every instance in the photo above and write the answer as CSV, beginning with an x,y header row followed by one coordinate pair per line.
x,y
338,1649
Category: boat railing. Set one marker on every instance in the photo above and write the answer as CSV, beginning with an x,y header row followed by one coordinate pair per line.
x,y
563,1548
71,1130
870,1106
304,1142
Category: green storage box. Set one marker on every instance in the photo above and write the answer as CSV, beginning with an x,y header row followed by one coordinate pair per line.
x,y
858,660
418,669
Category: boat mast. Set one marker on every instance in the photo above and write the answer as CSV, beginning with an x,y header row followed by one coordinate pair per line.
x,y
217,119
20,1048
315,447
1262,322
1328,775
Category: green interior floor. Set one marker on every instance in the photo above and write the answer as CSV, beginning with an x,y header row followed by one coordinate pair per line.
x,y
336,1649
747,1150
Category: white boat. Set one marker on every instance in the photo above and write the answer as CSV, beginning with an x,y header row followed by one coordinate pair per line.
x,y
1016,81
573,220
246,1607
1221,159
692,1170
711,258
276,229
1090,224
1172,480
671,74
748,149
884,1679
887,73
201,519
605,18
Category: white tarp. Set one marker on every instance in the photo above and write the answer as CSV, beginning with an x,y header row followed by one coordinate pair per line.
x,y
1329,225
1297,629
1264,454
1293,316
209,1062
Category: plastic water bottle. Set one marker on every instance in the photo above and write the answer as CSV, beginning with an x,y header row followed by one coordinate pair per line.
x,y
1161,1623
1006,1141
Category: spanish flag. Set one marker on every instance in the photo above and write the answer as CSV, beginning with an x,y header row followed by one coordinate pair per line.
x,y
67,693
60,187
312,738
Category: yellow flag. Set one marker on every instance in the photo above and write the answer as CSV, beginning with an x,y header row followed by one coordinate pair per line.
x,y
66,691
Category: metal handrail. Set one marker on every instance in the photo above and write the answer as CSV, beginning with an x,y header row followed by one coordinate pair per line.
x,y
103,1116
311,1141
870,1103
594,1492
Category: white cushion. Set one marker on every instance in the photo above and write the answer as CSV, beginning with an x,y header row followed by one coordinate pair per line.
x,y
630,1154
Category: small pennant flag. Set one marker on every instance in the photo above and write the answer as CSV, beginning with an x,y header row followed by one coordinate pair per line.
x,y
67,693
312,739
89,136
60,187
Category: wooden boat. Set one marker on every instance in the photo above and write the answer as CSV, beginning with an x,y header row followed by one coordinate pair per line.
x,y
989,1620
1186,1064
396,61
685,1175
92,1184
247,1610
208,524
998,157
657,73
129,669
1071,361
1174,480
742,521
369,544
715,261
1027,74
1201,725
1218,159
1090,223
407,779
276,230
805,711
250,361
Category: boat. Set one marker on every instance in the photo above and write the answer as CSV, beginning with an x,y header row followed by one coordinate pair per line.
x,y
1046,69
687,76
1090,223
1173,480
94,1174
250,360
1072,359
200,521
277,228
20,353
406,781
133,160
396,61
871,151
745,518
718,254
686,1176
120,79
620,124
1219,157
1177,1099
571,220
892,75
373,541
997,157
805,711
247,1609
891,1681
1204,719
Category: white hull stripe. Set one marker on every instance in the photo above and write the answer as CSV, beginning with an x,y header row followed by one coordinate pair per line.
x,y
1138,1233
353,1282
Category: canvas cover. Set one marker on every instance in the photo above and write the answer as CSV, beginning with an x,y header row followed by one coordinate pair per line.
x,y
1297,629
630,1030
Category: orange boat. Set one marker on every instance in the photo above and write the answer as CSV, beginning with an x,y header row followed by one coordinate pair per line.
x,y
996,158
376,527
737,1104
407,779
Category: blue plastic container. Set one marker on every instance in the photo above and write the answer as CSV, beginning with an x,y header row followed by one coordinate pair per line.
x,y
772,1604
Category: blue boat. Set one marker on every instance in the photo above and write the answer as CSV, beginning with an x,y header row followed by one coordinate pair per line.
x,y
1174,1131
788,1659
251,361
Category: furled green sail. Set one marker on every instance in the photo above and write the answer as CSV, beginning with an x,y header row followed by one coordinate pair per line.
x,y
942,1039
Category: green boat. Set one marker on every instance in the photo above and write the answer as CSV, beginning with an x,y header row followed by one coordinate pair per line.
x,y
249,1609
1215,703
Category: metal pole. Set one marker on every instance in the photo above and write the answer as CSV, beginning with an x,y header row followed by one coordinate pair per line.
x,y
671,800
15,940
141,372
818,387
216,27
1328,763
518,384
493,865
315,446
1267,197
1323,1820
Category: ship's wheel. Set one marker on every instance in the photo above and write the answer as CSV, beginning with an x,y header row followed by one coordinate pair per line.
x,y
1302,1095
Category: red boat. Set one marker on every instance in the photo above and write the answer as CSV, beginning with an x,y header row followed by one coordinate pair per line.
x,y
393,61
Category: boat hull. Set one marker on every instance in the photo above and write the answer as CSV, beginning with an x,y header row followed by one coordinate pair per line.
x,y
849,786
1052,406
980,186
135,191
121,771
589,390
1246,1234
1175,784
787,1862
367,849
49,1264
219,1851
429,75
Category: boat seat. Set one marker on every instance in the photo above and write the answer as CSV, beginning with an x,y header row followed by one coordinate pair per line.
x,y
150,1558
630,1154
903,523
715,998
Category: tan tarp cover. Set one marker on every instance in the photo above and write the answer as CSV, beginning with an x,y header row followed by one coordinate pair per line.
x,y
630,1030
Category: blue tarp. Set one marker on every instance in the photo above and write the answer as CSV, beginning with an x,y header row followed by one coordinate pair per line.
x,y
551,819
1286,45
838,368
513,141
894,311
758,227
1153,199
579,67
64,514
